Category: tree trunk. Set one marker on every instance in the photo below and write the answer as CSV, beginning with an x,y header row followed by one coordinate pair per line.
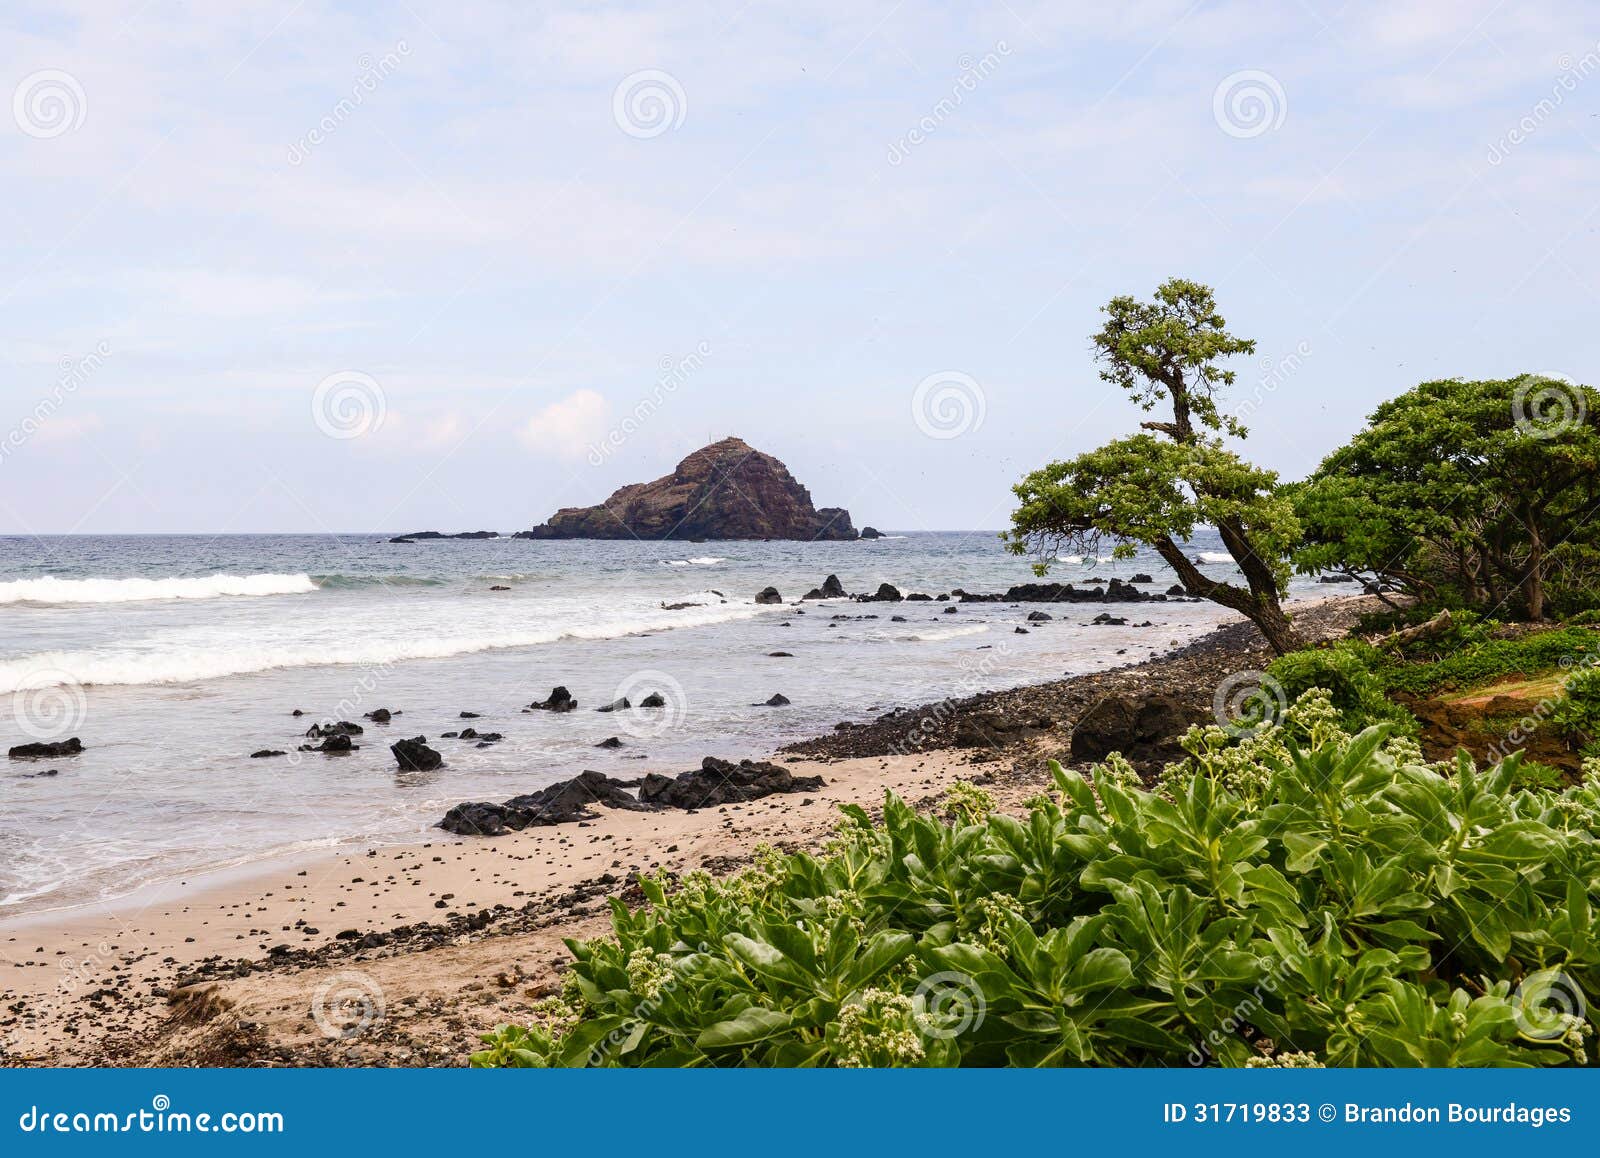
x,y
1533,581
1275,625
1265,613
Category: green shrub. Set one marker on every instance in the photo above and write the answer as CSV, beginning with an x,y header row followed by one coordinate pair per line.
x,y
1534,775
1346,906
1587,618
1577,713
1349,671
1496,659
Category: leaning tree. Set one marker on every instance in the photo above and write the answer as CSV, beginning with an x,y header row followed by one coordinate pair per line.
x,y
1157,487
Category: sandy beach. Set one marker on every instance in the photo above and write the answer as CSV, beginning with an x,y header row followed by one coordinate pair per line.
x,y
437,941
403,955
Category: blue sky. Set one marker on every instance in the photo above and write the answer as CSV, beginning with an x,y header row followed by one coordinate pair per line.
x,y
312,266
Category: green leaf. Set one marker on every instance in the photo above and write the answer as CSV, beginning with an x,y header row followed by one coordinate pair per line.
x,y
753,1025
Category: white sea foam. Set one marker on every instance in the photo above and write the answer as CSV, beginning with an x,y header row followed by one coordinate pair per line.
x,y
201,659
698,561
1214,557
52,590
947,633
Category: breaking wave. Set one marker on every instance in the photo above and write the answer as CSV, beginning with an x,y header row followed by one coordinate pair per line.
x,y
135,665
52,590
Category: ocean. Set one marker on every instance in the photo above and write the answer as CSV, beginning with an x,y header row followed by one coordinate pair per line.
x,y
175,657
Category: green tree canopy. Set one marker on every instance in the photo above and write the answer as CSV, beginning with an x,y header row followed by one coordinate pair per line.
x,y
1473,492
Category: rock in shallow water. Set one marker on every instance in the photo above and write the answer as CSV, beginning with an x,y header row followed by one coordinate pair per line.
x,y
414,755
57,748
560,701
339,728
334,744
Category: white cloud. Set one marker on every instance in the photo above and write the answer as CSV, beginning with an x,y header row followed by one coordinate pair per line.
x,y
567,427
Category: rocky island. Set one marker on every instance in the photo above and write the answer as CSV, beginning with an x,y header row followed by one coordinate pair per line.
x,y
728,490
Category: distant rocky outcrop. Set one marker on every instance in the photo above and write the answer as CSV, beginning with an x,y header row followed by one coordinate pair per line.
x,y
413,536
727,490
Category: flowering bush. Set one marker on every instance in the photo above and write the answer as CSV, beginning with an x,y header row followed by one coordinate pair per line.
x,y
1303,897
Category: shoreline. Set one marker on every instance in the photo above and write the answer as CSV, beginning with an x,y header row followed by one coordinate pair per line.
x,y
439,940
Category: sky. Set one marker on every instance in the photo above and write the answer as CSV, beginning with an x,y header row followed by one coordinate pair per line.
x,y
303,266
